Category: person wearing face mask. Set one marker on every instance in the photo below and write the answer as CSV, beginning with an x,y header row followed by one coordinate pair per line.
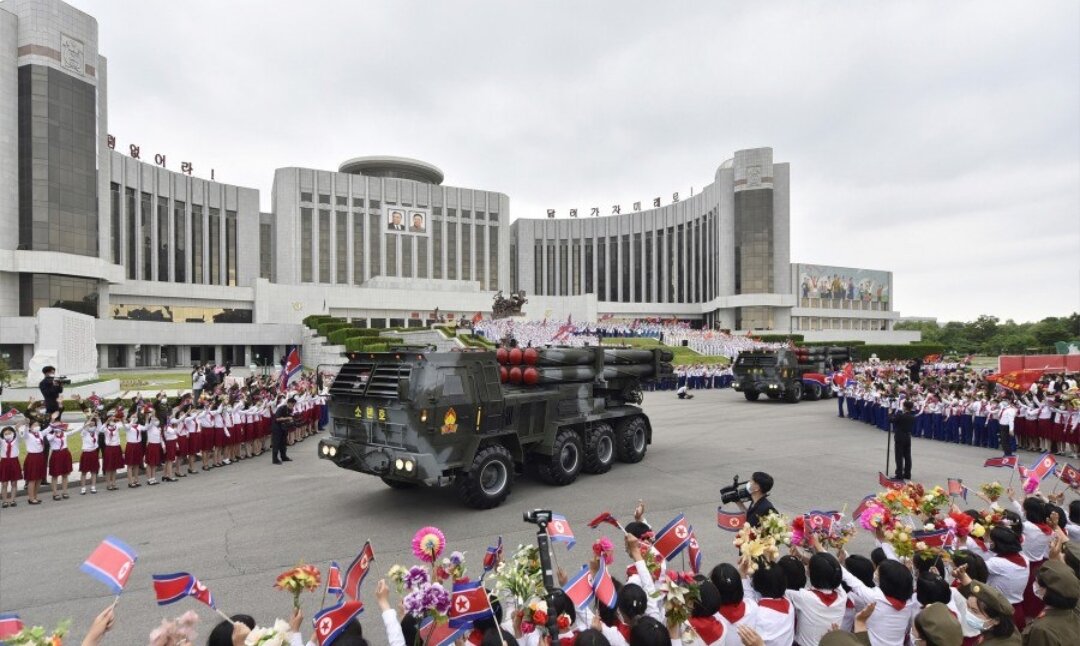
x,y
759,487
936,626
10,470
1059,625
990,614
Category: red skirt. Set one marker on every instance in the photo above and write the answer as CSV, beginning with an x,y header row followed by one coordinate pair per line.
x,y
171,449
60,463
1045,429
182,446
219,437
1021,427
153,455
133,455
207,438
113,459
34,467
1057,432
88,462
1032,605
10,471
236,435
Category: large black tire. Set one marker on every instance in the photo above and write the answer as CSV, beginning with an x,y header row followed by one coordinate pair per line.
x,y
794,394
632,440
812,392
489,478
750,395
599,448
400,484
567,458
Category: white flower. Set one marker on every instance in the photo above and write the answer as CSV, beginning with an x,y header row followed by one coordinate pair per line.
x,y
275,636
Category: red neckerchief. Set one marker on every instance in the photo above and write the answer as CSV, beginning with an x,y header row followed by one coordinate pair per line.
x,y
1044,528
897,604
1014,558
9,448
782,606
733,612
623,629
980,542
827,598
709,629
568,641
476,637
850,603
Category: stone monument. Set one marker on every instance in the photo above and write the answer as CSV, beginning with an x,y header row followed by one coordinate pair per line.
x,y
64,339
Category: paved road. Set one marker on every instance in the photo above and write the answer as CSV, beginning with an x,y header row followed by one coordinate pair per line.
x,y
237,528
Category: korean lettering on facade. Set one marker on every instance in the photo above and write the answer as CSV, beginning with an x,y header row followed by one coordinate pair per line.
x,y
135,152
616,209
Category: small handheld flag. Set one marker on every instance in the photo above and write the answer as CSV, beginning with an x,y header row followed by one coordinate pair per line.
x,y
111,563
559,530
728,521
605,518
8,415
10,625
861,507
603,587
1070,475
889,483
1043,467
579,589
673,538
433,633
693,550
933,538
957,488
357,571
291,367
1007,461
334,583
493,555
469,603
331,622
820,522
170,588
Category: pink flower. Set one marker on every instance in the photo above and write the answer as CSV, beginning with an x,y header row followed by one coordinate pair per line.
x,y
1031,485
605,548
428,544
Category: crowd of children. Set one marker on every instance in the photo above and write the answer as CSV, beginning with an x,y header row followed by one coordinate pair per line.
x,y
164,438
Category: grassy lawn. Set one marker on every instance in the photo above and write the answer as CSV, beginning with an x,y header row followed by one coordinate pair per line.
x,y
174,380
682,355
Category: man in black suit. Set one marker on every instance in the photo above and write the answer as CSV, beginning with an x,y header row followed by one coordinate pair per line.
x,y
903,422
282,421
759,487
50,393
395,221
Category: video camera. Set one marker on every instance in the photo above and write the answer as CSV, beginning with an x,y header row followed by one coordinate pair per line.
x,y
62,380
736,491
539,517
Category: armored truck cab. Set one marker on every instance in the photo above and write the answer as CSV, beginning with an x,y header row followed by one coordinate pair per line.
x,y
791,374
415,417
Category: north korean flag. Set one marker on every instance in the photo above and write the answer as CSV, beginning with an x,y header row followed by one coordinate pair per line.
x,y
170,588
469,603
861,507
111,563
889,483
933,538
357,571
433,633
820,522
10,625
693,550
1070,475
559,530
673,538
330,622
8,415
957,488
603,587
1043,467
605,518
728,521
1007,461
492,556
334,583
580,588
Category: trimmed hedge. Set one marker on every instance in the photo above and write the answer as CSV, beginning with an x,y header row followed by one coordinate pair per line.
x,y
365,331
829,343
326,327
313,320
779,338
359,344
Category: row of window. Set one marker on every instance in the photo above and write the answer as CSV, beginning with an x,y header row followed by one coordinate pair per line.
x,y
358,203
146,234
844,304
676,264
407,256
815,323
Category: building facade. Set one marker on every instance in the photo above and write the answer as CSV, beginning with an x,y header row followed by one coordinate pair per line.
x,y
176,268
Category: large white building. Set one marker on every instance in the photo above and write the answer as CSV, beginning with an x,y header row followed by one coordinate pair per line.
x,y
176,268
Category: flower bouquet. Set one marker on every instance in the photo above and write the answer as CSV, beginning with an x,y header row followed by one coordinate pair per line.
x,y
900,537
451,567
876,515
897,502
961,524
176,632
302,578
933,500
680,592
38,636
427,599
520,576
604,549
274,636
992,490
534,616
840,535
762,543
428,543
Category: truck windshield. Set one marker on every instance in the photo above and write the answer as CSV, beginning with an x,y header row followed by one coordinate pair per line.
x,y
744,360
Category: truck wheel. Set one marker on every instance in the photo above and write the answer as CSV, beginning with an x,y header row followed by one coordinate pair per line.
x,y
813,392
599,449
567,457
750,395
632,440
488,480
399,484
794,394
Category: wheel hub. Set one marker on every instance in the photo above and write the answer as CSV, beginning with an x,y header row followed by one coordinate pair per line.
x,y
568,458
493,478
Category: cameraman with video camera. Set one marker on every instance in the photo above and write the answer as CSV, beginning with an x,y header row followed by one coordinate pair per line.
x,y
756,491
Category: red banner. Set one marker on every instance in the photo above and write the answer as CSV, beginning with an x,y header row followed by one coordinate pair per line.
x,y
1020,380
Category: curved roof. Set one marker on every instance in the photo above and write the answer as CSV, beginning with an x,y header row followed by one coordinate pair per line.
x,y
390,166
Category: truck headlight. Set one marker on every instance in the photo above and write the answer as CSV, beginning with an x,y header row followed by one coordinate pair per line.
x,y
333,451
423,415
399,464
325,450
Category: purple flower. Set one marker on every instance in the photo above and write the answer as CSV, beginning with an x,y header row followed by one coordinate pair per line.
x,y
414,603
456,558
415,577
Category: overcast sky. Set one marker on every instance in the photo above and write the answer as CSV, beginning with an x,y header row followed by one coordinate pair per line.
x,y
938,140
